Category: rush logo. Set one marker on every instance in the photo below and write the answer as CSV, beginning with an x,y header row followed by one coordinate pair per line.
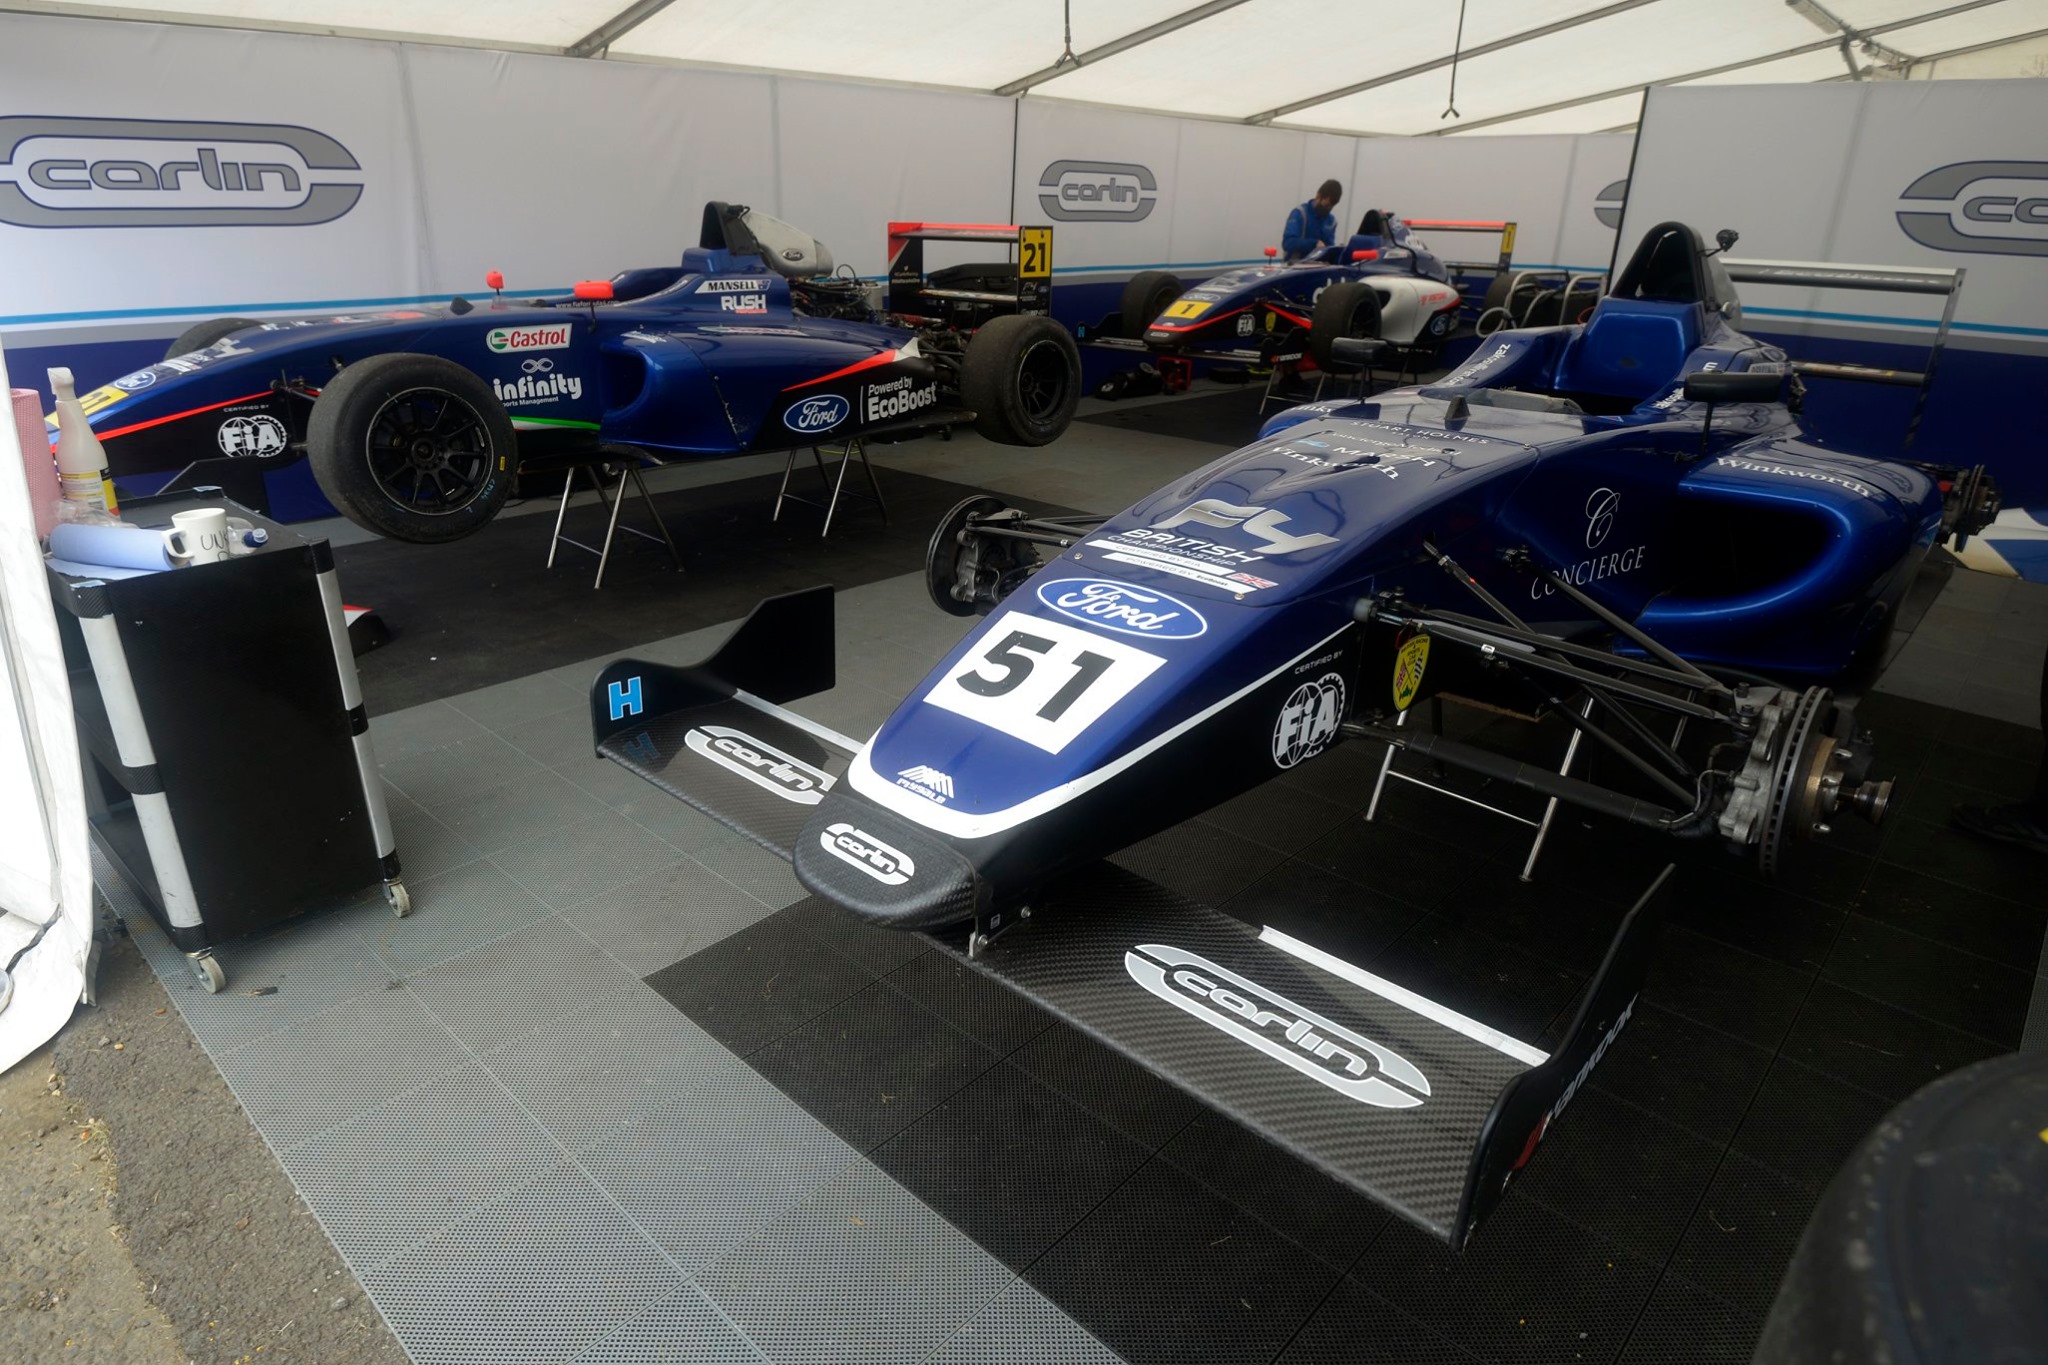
x,y
1325,1052
760,763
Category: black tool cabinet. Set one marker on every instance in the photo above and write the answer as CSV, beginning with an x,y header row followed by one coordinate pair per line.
x,y
229,773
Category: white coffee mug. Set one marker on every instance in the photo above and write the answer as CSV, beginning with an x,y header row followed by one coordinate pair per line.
x,y
198,537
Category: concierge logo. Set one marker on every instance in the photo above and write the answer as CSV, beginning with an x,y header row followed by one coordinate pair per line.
x,y
1097,191
1350,1064
1989,208
140,173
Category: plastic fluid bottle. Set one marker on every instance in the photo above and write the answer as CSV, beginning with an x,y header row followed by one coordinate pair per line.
x,y
87,490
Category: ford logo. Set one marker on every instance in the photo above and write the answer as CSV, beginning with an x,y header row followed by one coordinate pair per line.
x,y
1123,608
821,413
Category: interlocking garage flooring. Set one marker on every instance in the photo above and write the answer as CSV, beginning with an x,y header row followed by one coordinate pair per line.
x,y
618,1092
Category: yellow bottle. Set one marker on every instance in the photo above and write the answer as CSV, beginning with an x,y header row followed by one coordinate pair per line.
x,y
87,489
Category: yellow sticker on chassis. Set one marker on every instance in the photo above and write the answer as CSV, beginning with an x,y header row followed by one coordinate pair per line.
x,y
1409,662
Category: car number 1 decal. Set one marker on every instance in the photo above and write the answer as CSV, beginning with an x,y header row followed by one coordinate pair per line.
x,y
1040,681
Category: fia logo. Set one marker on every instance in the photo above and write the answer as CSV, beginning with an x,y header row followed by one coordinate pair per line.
x,y
1308,720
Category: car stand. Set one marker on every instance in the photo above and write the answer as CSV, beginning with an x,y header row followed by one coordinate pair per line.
x,y
614,503
833,488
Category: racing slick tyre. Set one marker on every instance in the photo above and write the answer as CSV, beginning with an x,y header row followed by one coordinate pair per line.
x,y
1022,378
412,447
1493,309
201,335
1350,309
1147,294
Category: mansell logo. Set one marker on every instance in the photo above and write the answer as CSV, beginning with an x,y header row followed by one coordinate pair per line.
x,y
1991,208
1122,608
504,340
1097,192
137,173
1325,1052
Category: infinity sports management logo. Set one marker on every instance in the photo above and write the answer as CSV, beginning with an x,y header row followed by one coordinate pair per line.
x,y
1327,1053
1992,208
1097,191
125,173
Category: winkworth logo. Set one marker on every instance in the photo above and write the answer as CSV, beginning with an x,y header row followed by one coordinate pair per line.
x,y
1990,208
139,173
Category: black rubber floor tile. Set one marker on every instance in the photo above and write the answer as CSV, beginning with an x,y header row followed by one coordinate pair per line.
x,y
1695,1076
1931,979
1551,920
1989,926
1280,817
1355,1326
1971,863
1931,799
1620,1171
985,1010
1339,916
1201,861
1804,1124
1493,982
752,987
1343,776
1010,1163
870,1066
1603,859
1531,1286
1332,1222
2010,773
1760,918
1683,1325
1108,1085
1725,988
1404,863
1881,1049
1165,1271
1987,735
1817,869
1742,1238
876,950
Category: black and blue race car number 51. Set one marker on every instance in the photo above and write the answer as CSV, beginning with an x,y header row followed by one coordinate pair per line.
x,y
1044,683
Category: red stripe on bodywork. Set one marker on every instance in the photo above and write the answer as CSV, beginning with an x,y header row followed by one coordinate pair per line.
x,y
1294,318
189,412
883,359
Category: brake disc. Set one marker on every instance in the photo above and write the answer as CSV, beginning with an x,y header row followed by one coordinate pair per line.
x,y
1796,779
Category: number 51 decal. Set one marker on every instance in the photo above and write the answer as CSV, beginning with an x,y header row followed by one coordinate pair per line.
x,y
1041,681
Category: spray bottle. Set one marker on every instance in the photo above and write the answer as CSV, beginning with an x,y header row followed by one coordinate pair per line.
x,y
88,491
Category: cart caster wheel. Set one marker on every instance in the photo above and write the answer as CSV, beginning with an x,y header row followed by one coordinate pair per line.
x,y
206,967
399,897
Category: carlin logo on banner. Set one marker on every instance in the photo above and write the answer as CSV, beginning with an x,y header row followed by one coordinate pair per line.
x,y
130,173
1608,204
1993,208
1097,192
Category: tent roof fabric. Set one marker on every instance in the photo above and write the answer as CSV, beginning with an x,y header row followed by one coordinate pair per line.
x,y
1523,66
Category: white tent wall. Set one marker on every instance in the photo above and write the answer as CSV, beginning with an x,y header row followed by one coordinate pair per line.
x,y
1830,185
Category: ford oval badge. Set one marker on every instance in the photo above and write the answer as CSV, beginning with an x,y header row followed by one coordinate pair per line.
x,y
1123,608
820,413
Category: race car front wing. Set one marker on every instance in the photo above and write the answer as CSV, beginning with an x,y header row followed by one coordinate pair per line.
x,y
1423,1109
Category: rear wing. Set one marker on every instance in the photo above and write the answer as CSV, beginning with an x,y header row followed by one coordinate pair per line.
x,y
1033,259
1935,281
1423,1109
1481,227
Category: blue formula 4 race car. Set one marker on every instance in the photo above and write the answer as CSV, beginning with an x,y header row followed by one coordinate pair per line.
x,y
416,421
1383,282
1619,524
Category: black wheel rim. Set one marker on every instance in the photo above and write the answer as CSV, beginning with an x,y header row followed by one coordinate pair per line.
x,y
1043,381
429,451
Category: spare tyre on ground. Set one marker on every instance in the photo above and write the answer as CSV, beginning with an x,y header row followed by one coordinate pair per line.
x,y
1022,378
201,335
412,447
1146,295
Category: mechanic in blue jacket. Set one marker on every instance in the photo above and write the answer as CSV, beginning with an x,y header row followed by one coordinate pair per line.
x,y
1312,225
